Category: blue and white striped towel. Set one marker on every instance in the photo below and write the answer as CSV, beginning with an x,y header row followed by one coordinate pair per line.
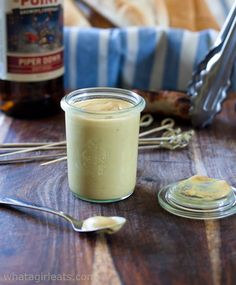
x,y
145,58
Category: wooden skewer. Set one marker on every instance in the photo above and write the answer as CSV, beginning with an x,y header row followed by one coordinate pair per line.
x,y
42,157
30,158
147,119
24,144
149,147
54,161
144,143
155,130
156,139
33,148
14,150
7,149
154,146
49,146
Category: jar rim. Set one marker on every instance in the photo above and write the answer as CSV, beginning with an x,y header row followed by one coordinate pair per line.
x,y
67,102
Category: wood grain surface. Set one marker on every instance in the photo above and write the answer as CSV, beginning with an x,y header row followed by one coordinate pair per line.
x,y
154,247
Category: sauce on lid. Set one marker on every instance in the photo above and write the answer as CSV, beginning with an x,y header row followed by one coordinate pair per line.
x,y
204,187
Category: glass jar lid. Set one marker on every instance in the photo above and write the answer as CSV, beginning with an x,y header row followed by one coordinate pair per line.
x,y
199,197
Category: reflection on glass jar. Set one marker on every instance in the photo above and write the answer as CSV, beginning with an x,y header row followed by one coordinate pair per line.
x,y
102,127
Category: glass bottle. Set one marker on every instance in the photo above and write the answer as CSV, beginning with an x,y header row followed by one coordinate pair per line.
x,y
31,57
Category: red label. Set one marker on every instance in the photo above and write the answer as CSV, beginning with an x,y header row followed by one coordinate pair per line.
x,y
32,40
35,64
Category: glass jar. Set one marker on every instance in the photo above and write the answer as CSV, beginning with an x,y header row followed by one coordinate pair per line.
x,y
102,142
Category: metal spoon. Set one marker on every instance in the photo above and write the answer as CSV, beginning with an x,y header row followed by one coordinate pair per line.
x,y
104,224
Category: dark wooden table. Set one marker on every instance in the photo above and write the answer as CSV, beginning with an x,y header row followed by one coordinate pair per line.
x,y
154,247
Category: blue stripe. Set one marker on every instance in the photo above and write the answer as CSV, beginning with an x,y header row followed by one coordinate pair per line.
x,y
114,58
145,57
66,57
172,60
87,58
204,44
233,79
123,54
85,67
225,7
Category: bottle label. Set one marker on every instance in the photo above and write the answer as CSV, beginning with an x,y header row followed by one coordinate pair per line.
x,y
31,40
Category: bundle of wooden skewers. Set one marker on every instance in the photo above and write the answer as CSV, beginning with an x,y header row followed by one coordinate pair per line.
x,y
48,153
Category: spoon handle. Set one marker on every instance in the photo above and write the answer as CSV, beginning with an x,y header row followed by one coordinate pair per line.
x,y
20,203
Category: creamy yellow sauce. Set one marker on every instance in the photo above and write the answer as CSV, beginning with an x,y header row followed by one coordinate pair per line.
x,y
100,222
102,152
204,187
103,105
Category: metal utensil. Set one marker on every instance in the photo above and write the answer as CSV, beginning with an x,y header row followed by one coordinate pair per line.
x,y
77,225
211,80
